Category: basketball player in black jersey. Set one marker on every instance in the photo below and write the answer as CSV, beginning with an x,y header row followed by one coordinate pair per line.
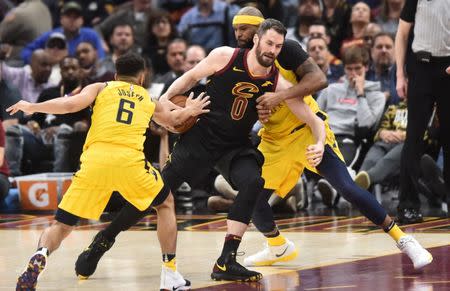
x,y
237,77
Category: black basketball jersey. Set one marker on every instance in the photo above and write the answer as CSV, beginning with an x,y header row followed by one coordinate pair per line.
x,y
233,92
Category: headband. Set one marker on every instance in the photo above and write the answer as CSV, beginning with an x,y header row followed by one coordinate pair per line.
x,y
247,19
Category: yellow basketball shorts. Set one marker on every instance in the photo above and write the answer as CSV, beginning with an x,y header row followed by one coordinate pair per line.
x,y
92,186
285,158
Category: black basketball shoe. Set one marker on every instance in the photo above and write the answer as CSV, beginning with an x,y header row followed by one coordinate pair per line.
x,y
87,261
231,270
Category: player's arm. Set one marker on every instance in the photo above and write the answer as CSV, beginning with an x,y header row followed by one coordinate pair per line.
x,y
165,116
304,113
61,105
215,61
310,77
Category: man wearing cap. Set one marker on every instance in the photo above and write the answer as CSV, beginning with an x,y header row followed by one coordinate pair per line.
x,y
56,48
71,27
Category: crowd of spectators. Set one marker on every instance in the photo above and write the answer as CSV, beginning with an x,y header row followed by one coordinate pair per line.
x,y
54,48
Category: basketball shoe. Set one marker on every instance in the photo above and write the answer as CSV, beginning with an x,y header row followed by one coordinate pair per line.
x,y
173,280
272,254
418,255
28,279
231,270
87,261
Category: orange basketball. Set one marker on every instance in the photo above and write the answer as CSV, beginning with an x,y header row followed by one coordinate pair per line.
x,y
180,100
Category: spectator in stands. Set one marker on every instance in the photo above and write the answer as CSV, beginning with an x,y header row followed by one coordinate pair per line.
x,y
383,159
22,25
318,50
56,48
122,41
336,14
136,13
176,56
194,54
370,31
66,131
208,24
161,30
90,71
9,96
71,27
4,170
31,79
359,20
354,108
382,67
309,12
390,14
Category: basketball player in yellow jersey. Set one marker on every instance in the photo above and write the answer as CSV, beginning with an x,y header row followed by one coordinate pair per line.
x,y
289,146
113,160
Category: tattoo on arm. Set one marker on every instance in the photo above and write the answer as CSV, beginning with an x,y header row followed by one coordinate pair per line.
x,y
308,66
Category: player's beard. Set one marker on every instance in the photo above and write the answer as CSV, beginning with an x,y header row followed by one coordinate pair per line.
x,y
260,58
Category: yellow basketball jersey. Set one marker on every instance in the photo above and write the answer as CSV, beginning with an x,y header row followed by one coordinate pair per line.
x,y
282,121
121,114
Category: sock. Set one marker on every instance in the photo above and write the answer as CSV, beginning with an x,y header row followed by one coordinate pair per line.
x,y
43,250
231,245
276,241
394,231
169,261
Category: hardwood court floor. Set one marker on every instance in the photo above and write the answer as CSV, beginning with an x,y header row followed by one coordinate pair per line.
x,y
336,253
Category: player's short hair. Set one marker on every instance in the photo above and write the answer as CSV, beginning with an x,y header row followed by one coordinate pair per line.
x,y
271,23
356,54
129,64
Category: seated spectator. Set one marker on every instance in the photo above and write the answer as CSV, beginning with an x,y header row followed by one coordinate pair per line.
x,y
42,136
382,67
370,31
309,12
122,41
9,96
336,16
32,79
194,54
176,56
56,48
383,158
90,69
161,30
331,66
208,25
4,170
354,108
359,20
21,26
134,12
389,15
71,27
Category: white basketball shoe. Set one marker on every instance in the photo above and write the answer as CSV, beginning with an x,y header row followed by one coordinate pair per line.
x,y
173,280
273,254
418,255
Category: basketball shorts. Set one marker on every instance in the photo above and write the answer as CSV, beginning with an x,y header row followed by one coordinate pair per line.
x,y
108,168
285,158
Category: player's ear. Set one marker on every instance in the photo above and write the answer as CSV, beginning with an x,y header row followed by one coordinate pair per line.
x,y
255,39
141,78
115,76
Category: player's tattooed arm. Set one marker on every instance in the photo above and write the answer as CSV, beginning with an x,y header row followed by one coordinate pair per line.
x,y
310,80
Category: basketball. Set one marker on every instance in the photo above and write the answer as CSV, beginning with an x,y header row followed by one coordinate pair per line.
x,y
180,100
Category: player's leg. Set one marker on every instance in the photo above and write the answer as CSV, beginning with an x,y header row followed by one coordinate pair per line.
x,y
87,261
334,170
245,177
49,241
171,279
279,248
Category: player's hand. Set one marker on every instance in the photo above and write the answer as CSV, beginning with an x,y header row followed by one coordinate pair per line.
x,y
197,105
24,106
263,113
402,87
314,153
269,100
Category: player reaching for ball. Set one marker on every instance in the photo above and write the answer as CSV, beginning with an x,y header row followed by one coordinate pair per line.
x,y
113,160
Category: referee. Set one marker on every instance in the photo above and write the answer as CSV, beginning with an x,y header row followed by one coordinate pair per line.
x,y
427,83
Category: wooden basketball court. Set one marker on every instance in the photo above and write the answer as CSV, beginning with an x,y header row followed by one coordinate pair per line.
x,y
335,253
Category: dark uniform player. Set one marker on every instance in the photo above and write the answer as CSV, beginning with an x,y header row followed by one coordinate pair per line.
x,y
221,139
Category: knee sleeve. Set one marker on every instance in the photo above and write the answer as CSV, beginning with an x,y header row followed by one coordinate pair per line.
x,y
242,208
